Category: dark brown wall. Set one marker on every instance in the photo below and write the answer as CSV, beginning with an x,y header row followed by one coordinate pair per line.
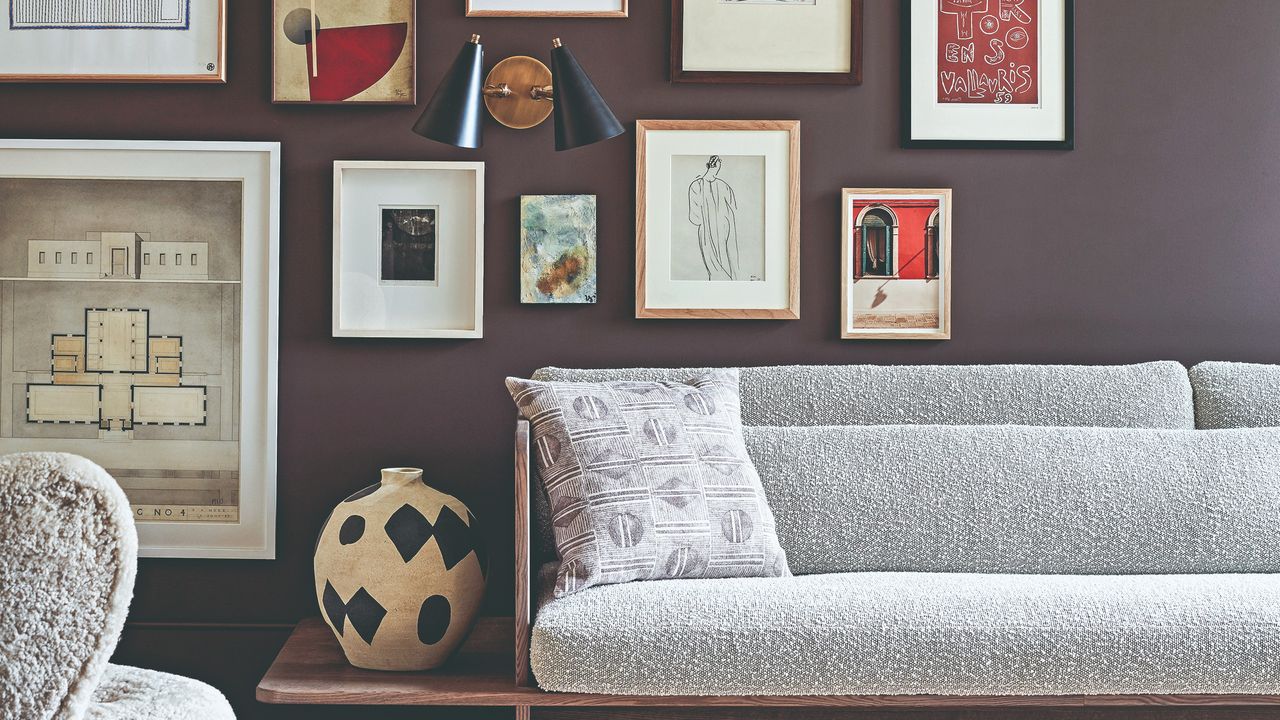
x,y
1156,238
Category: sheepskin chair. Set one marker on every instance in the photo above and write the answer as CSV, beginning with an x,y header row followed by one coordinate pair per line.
x,y
67,565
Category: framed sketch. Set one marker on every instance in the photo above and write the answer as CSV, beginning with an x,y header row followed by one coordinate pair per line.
x,y
558,249
988,74
337,52
547,8
895,278
718,219
784,42
139,287
82,41
408,249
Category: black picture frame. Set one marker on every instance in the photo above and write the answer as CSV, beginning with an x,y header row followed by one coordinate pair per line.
x,y
1069,104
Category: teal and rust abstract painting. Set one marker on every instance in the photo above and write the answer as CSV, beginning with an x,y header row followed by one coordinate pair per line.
x,y
557,248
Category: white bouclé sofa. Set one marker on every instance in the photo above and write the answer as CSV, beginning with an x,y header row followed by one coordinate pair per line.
x,y
997,531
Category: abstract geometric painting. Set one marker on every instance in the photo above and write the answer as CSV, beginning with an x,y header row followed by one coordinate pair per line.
x,y
336,51
557,248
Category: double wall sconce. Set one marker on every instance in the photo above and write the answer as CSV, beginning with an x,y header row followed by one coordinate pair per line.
x,y
520,92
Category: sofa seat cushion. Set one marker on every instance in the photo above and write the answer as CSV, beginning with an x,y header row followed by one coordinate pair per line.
x,y
130,693
1236,395
915,633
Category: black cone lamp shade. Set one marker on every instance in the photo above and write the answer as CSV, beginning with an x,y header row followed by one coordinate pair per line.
x,y
581,116
455,114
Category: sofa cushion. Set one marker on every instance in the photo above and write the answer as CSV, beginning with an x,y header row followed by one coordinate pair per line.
x,y
1149,395
1022,499
649,480
1236,395
912,633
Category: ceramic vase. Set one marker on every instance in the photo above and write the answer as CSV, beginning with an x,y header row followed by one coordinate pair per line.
x,y
400,572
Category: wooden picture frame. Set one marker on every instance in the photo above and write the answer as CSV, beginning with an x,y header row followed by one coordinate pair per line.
x,y
914,250
680,75
726,293
367,302
178,275
280,42
215,71
917,138
620,13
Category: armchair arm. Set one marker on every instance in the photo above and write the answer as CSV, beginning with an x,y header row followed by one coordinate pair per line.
x,y
524,597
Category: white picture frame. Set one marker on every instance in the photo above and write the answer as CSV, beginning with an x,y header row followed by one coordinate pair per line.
x,y
548,8
227,369
736,255
367,303
72,41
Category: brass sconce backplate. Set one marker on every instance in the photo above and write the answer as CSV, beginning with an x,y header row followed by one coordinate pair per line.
x,y
520,109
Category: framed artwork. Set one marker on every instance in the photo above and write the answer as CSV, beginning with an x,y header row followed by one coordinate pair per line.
x,y
718,219
335,52
408,249
80,41
139,287
895,278
988,74
558,249
547,8
785,42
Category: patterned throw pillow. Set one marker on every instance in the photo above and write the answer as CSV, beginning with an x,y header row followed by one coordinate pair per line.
x,y
649,481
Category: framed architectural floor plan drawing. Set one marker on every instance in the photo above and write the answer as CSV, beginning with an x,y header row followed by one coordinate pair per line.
x,y
718,219
138,328
101,41
408,249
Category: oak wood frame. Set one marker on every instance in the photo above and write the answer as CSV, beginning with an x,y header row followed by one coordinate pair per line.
x,y
792,311
846,266
220,77
624,12
755,77
413,59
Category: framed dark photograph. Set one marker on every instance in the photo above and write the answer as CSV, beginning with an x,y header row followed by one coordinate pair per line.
x,y
780,42
409,245
988,74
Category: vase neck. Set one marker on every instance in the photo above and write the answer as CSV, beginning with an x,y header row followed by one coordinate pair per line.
x,y
401,475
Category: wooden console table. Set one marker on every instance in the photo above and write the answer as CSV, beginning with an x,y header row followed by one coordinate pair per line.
x,y
311,670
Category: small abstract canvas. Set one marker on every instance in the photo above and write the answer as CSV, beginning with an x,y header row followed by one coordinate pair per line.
x,y
558,248
336,51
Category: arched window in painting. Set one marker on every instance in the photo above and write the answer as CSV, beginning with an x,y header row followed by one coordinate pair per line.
x,y
877,230
932,248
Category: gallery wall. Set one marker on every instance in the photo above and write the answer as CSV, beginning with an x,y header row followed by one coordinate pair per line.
x,y
1155,238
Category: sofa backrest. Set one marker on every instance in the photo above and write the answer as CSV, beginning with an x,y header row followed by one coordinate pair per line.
x,y
1015,499
1148,395
1236,395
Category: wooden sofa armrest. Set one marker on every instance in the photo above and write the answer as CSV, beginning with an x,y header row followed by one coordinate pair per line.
x,y
524,569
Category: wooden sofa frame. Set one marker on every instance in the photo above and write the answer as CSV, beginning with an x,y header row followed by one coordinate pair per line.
x,y
524,616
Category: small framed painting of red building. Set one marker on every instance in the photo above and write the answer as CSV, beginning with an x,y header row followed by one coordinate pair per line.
x,y
896,264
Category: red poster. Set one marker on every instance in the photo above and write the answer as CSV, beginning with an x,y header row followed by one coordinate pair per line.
x,y
989,51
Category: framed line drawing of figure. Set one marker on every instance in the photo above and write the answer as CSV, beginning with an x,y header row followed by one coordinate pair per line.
x,y
180,41
718,219
139,287
895,280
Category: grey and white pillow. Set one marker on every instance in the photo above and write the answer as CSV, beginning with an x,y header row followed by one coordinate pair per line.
x,y
649,481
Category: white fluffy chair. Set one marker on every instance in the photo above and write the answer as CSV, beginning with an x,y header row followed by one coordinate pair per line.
x,y
70,553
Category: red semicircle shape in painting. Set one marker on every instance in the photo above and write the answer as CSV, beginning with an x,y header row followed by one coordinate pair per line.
x,y
352,59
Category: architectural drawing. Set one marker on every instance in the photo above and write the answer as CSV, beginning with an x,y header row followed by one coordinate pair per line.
x,y
120,334
81,15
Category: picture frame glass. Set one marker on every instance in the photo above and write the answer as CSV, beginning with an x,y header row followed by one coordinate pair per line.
x,y
407,245
76,40
537,8
139,291
768,36
988,71
896,264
